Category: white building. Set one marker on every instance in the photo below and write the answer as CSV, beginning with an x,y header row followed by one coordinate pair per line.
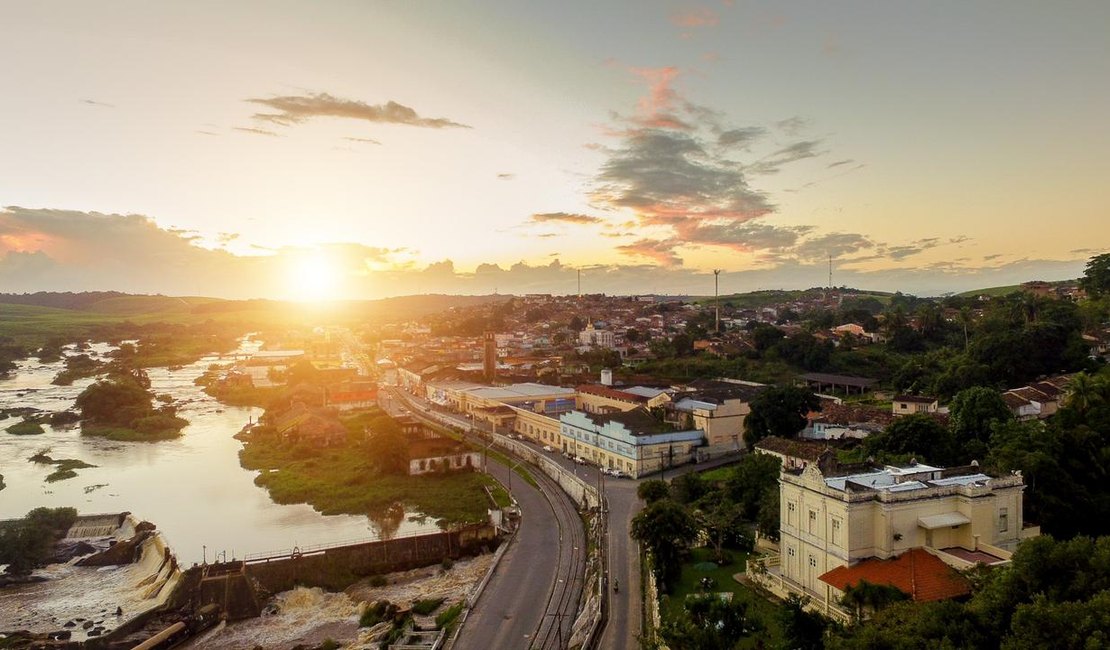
x,y
595,337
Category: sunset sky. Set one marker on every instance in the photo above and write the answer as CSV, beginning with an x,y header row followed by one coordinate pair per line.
x,y
367,149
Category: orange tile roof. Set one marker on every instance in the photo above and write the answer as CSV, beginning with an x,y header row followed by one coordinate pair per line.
x,y
916,572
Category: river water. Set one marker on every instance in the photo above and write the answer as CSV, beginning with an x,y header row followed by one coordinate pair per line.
x,y
192,487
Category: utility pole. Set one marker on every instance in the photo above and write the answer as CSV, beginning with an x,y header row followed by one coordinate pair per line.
x,y
717,300
579,283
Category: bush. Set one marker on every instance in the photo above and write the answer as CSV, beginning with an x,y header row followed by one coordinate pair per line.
x,y
378,581
447,564
448,616
378,612
425,607
26,429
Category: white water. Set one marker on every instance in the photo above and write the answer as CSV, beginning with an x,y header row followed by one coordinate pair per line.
x,y
192,487
91,593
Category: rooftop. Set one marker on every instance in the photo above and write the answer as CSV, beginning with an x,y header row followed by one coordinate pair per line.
x,y
916,573
906,479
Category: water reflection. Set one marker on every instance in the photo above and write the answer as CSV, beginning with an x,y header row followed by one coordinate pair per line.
x,y
193,487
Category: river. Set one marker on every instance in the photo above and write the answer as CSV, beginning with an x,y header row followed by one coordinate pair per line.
x,y
192,487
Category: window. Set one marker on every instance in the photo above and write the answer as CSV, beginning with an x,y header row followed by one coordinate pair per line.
x,y
812,521
1003,520
812,561
790,551
835,531
790,513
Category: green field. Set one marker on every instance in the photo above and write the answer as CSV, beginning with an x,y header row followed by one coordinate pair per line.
x,y
342,480
994,292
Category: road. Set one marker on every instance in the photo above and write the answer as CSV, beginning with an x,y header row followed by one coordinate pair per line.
x,y
626,605
539,567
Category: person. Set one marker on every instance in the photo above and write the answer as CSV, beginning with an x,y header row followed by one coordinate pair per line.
x,y
616,586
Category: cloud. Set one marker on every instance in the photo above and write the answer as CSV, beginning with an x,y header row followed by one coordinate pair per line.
x,y
64,250
505,176
659,251
741,138
657,108
362,140
248,129
564,217
296,109
696,17
792,125
838,163
208,133
773,162
836,244
91,102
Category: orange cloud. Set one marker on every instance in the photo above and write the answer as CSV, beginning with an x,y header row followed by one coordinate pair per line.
x,y
697,17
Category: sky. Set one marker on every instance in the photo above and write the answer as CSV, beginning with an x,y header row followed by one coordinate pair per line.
x,y
370,149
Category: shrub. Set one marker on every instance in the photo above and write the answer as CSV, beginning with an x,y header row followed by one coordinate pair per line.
x,y
26,429
448,616
427,606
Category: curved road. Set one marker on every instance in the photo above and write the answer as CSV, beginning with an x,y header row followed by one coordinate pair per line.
x,y
532,598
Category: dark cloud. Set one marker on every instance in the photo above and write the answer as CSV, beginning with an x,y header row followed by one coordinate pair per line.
x,y
248,129
564,217
664,174
771,163
741,138
296,109
836,244
793,125
840,162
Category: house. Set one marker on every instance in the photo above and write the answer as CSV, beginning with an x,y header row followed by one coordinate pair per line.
x,y
794,454
840,525
716,407
439,454
634,442
910,404
593,337
836,421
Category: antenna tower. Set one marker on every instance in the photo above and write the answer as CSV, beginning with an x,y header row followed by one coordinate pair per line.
x,y
717,300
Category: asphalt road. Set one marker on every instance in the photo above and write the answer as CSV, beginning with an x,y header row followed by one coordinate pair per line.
x,y
625,605
532,598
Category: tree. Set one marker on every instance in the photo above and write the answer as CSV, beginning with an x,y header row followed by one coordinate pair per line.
x,y
666,530
723,523
1085,392
802,630
1096,277
28,542
752,478
653,490
779,411
974,412
689,487
918,435
710,624
114,403
387,447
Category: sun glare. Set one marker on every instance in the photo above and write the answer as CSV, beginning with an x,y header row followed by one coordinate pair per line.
x,y
313,278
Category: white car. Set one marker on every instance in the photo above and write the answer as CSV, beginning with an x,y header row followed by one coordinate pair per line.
x,y
580,460
548,448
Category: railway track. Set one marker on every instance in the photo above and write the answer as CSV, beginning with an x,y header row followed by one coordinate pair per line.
x,y
562,606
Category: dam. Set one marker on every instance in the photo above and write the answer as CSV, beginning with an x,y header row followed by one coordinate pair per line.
x,y
124,588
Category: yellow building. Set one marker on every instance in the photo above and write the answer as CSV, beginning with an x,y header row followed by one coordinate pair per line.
x,y
957,515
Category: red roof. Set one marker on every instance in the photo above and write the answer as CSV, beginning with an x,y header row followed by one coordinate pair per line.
x,y
916,572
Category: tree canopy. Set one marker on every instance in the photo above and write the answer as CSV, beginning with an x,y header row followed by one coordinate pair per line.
x,y
779,411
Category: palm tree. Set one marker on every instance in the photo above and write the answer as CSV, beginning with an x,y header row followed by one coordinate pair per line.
x,y
1085,391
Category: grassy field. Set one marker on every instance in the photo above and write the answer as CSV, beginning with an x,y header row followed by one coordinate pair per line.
x,y
759,608
342,480
994,292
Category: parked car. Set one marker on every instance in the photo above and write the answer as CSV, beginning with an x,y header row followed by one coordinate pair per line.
x,y
548,448
580,460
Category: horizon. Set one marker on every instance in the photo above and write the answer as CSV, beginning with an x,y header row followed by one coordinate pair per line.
x,y
439,148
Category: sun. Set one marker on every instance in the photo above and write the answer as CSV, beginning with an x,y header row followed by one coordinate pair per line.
x,y
313,278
